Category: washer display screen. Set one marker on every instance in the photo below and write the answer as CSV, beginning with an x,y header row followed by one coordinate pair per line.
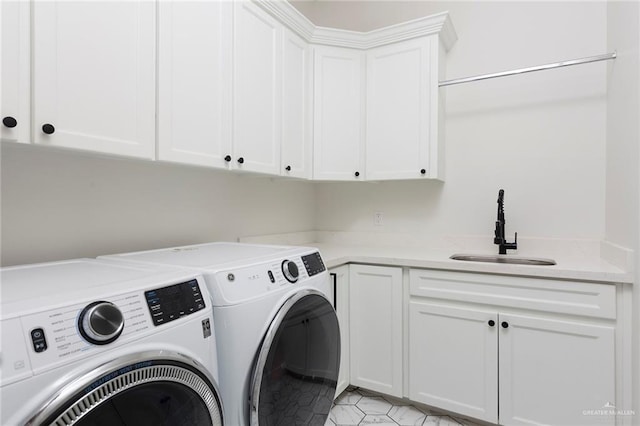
x,y
169,303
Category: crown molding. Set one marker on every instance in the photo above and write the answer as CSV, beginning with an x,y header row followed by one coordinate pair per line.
x,y
283,11
439,24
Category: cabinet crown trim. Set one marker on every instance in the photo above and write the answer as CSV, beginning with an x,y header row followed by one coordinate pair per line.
x,y
288,15
438,24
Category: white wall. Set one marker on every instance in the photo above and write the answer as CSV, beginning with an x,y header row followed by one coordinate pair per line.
x,y
539,136
623,133
623,151
59,204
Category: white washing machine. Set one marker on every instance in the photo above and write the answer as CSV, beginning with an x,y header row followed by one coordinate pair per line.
x,y
86,342
276,329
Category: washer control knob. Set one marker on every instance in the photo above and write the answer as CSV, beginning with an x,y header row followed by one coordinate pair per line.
x,y
101,323
290,271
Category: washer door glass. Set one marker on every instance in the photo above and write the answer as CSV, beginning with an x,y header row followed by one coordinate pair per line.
x,y
143,393
160,403
296,371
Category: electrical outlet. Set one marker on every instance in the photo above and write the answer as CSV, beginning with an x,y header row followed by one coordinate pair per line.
x,y
378,219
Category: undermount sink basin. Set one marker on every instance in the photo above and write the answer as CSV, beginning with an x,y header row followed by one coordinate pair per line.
x,y
503,258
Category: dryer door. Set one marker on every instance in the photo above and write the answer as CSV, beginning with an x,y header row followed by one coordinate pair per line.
x,y
147,389
296,371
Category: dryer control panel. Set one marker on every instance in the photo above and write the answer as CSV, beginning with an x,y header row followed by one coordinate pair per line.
x,y
250,282
313,264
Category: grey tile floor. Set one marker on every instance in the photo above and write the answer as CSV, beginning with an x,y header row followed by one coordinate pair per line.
x,y
356,406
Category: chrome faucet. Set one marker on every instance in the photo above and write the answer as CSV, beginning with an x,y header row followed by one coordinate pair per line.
x,y
500,238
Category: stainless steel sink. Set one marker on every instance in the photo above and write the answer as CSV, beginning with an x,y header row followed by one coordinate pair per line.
x,y
503,258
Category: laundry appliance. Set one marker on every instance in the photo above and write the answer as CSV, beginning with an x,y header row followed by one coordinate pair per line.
x,y
277,332
87,342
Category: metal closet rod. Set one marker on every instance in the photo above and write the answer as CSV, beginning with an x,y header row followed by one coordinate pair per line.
x,y
604,57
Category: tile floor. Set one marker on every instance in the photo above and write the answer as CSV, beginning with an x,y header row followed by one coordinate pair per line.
x,y
356,406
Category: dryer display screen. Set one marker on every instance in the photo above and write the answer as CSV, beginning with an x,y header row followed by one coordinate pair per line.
x,y
313,263
170,303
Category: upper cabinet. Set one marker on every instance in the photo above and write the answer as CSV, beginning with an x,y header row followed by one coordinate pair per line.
x,y
248,85
401,119
232,88
15,62
257,96
296,106
338,114
194,83
94,76
378,114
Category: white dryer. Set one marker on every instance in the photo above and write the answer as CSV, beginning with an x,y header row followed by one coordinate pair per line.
x,y
86,342
276,329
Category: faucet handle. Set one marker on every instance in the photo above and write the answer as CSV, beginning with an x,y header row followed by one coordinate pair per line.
x,y
514,244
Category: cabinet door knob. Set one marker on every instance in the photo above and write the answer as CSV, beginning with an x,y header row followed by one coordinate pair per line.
x,y
240,160
505,324
288,168
492,323
48,128
423,171
9,122
357,174
227,158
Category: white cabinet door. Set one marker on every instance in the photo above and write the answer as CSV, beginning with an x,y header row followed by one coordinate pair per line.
x,y
16,68
194,82
375,328
453,359
340,277
296,108
398,111
338,114
256,89
94,76
552,371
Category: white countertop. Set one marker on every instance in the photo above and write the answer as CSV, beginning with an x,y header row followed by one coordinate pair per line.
x,y
581,260
573,268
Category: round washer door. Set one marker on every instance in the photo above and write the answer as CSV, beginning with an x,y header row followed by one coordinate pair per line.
x,y
148,389
296,370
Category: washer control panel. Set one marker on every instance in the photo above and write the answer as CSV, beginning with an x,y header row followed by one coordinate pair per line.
x,y
67,333
170,303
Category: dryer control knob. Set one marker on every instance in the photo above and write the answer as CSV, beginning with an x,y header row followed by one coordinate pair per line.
x,y
101,323
290,271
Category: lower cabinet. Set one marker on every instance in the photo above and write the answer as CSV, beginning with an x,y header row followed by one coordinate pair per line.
x,y
340,283
453,359
552,371
375,328
504,365
504,349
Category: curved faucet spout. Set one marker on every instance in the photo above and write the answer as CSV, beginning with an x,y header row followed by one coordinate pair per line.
x,y
499,234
